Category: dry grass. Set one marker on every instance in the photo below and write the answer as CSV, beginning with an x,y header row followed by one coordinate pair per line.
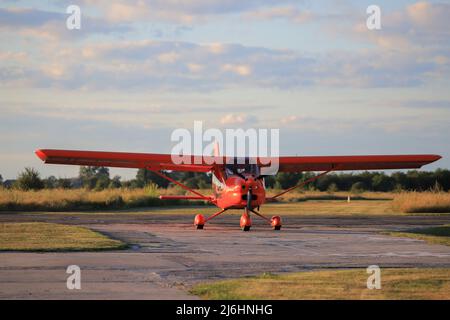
x,y
422,202
396,284
39,236
301,195
82,199
298,201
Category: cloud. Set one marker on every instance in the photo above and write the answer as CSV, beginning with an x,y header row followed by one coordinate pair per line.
x,y
291,13
232,119
52,25
185,12
402,54
419,26
240,69
169,65
168,57
289,119
195,67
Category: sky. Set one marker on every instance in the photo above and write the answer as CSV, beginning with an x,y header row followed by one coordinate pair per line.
x,y
139,69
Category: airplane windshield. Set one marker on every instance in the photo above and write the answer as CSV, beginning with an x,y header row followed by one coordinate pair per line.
x,y
231,169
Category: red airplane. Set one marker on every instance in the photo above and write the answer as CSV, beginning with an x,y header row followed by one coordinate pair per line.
x,y
236,184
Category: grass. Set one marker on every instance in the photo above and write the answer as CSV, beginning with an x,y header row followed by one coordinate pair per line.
x,y
83,199
297,202
432,235
404,284
422,202
39,236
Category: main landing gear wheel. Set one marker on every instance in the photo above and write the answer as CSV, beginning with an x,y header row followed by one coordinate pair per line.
x,y
199,221
245,222
275,222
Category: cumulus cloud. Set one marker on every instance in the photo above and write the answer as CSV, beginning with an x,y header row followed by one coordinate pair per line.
x,y
289,119
191,66
411,50
52,25
422,25
233,119
184,12
291,13
240,69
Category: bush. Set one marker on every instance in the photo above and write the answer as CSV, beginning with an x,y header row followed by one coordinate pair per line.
x,y
151,190
332,188
29,179
357,188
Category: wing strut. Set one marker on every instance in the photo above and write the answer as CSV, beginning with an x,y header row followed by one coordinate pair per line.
x,y
301,184
199,195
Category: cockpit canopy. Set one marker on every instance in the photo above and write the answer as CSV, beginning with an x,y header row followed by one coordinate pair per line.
x,y
239,169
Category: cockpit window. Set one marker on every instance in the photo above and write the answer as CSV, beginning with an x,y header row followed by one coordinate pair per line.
x,y
231,169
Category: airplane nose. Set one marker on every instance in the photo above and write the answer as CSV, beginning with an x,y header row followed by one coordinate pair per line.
x,y
250,182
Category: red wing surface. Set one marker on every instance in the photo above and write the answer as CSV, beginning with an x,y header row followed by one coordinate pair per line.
x,y
338,163
155,161
151,161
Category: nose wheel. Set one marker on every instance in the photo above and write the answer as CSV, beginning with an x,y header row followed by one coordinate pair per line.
x,y
246,221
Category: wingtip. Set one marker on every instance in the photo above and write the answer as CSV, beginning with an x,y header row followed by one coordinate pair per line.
x,y
41,154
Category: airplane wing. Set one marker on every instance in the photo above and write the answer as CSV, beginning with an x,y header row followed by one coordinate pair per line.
x,y
152,161
340,163
155,161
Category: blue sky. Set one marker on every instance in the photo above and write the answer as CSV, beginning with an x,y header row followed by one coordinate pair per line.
x,y
139,69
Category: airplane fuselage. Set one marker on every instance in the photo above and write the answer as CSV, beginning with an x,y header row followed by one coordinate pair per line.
x,y
232,191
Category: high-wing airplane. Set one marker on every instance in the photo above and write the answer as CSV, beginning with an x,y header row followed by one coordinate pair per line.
x,y
236,184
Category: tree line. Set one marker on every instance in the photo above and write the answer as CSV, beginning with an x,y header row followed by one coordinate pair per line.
x,y
98,178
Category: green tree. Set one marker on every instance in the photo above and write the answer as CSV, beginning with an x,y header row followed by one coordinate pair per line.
x,y
332,188
277,185
63,183
115,183
269,181
287,179
102,183
29,179
382,182
1,180
358,187
144,177
442,176
50,182
90,177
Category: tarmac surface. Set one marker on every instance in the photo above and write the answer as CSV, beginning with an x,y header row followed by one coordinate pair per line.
x,y
167,255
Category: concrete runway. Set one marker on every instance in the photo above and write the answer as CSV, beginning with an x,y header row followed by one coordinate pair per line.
x,y
168,255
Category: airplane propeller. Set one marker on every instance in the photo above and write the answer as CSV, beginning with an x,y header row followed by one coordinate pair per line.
x,y
249,199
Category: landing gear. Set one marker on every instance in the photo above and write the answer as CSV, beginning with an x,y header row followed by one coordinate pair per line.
x,y
246,221
275,222
199,221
